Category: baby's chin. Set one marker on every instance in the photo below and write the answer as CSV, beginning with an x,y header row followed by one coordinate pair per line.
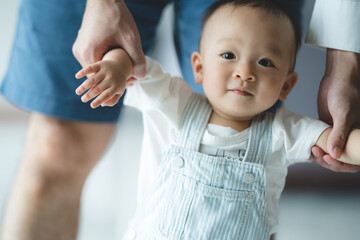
x,y
243,113
239,116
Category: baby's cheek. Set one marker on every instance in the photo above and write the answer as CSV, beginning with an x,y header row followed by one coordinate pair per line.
x,y
269,97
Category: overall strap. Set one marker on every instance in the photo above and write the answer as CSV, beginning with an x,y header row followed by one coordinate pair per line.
x,y
194,122
260,137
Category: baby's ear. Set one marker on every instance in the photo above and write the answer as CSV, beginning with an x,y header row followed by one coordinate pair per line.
x,y
197,67
288,85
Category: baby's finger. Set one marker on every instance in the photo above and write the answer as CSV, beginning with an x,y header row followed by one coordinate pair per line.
x,y
112,101
94,68
102,98
93,92
89,83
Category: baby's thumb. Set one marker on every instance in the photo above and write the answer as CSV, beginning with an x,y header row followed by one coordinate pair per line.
x,y
338,137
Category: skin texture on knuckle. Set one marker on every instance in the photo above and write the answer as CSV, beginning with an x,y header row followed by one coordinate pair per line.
x,y
96,90
92,81
106,95
83,55
89,69
130,37
103,97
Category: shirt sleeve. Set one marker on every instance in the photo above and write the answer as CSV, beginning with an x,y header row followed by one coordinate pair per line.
x,y
335,24
159,94
295,135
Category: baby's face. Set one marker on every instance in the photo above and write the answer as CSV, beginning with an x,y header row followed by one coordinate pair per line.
x,y
244,61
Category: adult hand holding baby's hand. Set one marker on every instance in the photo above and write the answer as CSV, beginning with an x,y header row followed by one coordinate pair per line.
x,y
106,25
339,105
107,79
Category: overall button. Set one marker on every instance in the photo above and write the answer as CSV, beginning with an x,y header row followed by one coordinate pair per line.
x,y
178,162
249,178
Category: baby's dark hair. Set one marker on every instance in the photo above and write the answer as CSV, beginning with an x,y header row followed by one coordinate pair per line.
x,y
273,7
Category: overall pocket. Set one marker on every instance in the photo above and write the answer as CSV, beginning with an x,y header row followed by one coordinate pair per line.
x,y
192,210
217,213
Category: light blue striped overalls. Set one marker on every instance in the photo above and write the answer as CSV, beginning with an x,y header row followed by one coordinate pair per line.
x,y
197,196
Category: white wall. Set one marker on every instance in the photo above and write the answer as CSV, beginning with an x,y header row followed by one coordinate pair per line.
x,y
8,15
8,18
310,66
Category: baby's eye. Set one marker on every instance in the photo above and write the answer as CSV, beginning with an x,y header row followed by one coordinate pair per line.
x,y
266,63
228,55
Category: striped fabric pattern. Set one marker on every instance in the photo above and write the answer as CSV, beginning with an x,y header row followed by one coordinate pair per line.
x,y
198,196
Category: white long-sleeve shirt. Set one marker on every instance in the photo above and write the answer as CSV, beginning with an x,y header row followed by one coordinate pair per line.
x,y
335,24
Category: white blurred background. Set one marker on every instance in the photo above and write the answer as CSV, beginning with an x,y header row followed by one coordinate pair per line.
x,y
316,204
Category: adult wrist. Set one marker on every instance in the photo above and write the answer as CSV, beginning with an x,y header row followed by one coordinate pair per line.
x,y
340,60
110,10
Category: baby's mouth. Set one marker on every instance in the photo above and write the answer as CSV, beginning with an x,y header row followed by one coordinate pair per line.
x,y
241,92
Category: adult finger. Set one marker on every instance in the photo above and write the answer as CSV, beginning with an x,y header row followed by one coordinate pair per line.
x,y
338,136
317,156
136,54
81,53
338,166
326,161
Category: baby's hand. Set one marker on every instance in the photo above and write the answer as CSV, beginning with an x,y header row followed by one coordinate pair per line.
x,y
106,81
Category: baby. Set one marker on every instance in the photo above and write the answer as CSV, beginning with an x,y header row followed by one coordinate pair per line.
x,y
214,167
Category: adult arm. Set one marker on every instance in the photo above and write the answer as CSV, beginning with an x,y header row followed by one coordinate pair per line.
x,y
108,24
334,26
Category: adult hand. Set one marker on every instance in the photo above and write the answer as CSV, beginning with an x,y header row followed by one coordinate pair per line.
x,y
339,105
106,25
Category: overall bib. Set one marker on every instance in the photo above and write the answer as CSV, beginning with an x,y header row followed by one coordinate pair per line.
x,y
198,196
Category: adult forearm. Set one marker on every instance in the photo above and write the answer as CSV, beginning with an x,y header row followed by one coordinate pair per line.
x,y
110,9
349,62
